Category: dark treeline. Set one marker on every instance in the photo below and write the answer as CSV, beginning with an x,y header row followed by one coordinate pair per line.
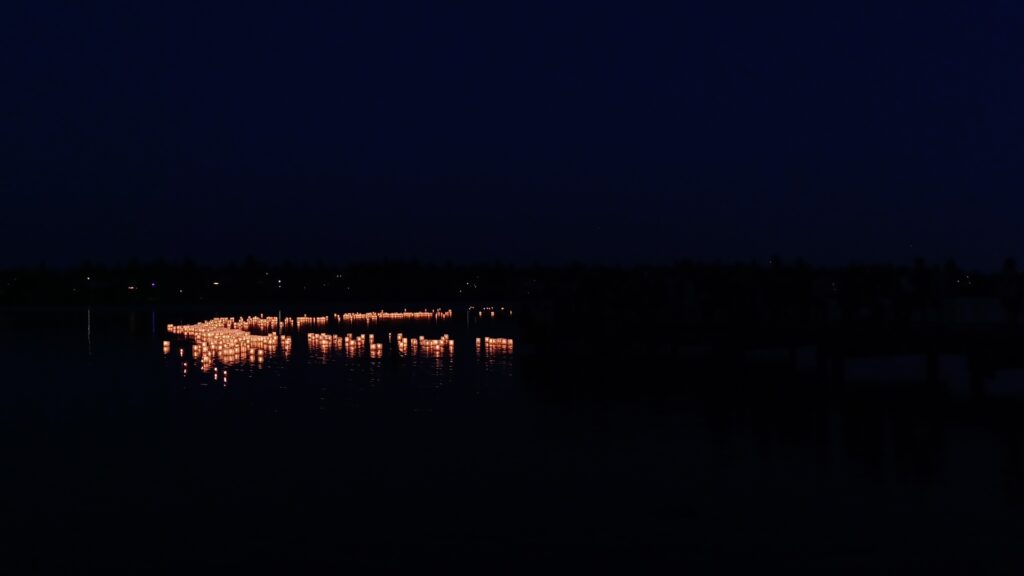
x,y
722,312
255,282
741,293
778,297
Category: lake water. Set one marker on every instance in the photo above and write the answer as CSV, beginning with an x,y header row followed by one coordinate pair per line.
x,y
389,455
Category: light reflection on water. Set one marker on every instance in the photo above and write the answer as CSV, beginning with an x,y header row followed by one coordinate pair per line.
x,y
494,353
867,466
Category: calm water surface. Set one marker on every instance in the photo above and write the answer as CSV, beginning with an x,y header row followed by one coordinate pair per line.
x,y
123,452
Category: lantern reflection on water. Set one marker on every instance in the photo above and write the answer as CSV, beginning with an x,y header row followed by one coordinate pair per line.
x,y
495,353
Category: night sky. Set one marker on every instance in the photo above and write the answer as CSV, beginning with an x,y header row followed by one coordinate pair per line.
x,y
594,131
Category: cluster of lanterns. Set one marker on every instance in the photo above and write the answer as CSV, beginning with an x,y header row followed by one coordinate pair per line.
x,y
431,348
249,324
437,314
226,341
220,341
363,345
259,323
494,346
351,346
307,322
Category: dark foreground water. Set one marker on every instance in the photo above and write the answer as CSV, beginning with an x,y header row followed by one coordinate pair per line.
x,y
119,455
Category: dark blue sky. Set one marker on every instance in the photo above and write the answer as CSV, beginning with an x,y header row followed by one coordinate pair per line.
x,y
598,131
